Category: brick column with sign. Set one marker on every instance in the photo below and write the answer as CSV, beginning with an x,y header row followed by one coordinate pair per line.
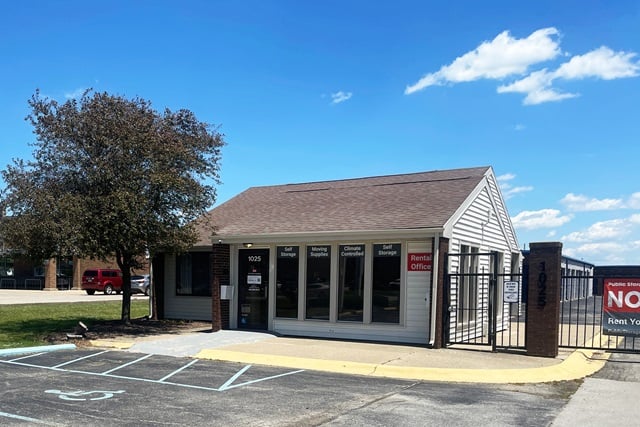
x,y
543,298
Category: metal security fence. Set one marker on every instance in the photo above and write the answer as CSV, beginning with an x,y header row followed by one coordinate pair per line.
x,y
582,317
33,283
476,310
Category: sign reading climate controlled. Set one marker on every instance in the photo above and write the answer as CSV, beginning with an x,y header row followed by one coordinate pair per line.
x,y
352,250
419,261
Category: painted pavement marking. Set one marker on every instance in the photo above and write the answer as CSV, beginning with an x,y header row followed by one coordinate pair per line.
x,y
31,420
229,384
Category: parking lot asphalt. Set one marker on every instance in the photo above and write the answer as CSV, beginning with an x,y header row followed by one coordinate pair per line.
x,y
348,357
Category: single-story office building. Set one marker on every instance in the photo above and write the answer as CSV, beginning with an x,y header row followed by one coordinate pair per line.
x,y
351,259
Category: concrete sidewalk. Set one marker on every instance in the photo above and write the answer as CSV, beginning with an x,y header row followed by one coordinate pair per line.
x,y
370,359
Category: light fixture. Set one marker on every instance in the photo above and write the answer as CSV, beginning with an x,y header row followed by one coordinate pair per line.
x,y
247,245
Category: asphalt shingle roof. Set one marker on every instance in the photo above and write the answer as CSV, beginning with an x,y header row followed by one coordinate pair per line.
x,y
394,202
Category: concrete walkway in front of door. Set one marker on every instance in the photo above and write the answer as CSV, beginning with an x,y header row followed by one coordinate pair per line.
x,y
369,359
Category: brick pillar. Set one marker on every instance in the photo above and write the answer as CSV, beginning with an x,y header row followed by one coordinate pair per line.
x,y
440,295
220,267
50,277
543,298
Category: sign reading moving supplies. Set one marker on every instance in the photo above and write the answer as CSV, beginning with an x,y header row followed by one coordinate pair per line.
x,y
621,307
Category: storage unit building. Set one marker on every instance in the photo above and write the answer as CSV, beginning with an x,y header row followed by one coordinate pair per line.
x,y
351,259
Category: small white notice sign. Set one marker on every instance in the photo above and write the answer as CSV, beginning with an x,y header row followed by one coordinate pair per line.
x,y
511,291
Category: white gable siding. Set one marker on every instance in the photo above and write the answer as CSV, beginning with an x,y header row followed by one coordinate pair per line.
x,y
484,225
502,213
182,307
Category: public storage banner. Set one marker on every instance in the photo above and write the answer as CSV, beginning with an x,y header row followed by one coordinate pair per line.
x,y
621,307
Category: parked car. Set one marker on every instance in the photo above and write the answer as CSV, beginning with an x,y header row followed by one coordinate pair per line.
x,y
102,280
140,284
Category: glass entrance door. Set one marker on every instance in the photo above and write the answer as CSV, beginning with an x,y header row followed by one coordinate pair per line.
x,y
253,288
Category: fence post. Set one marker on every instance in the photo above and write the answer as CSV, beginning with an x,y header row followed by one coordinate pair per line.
x,y
543,299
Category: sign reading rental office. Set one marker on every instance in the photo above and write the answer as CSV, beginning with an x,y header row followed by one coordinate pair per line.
x,y
621,307
419,261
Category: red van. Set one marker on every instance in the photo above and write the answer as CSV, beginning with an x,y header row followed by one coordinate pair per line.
x,y
102,280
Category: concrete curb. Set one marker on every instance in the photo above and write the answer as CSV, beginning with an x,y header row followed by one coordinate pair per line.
x,y
38,349
578,365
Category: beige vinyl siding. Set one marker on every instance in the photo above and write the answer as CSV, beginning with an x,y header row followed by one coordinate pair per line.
x,y
182,307
414,317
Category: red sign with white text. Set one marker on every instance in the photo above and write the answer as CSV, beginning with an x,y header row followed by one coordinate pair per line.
x,y
621,307
420,261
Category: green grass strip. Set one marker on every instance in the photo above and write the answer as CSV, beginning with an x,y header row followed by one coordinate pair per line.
x,y
24,325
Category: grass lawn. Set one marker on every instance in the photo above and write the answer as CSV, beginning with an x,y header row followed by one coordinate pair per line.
x,y
26,325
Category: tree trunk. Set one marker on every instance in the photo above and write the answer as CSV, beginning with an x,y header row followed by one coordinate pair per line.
x,y
125,266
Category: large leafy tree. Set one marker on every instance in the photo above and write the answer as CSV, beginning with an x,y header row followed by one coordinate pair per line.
x,y
110,178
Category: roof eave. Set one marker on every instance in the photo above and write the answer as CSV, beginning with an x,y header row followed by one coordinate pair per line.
x,y
318,236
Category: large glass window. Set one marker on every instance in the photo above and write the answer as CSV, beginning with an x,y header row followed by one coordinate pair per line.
x,y
351,283
318,281
193,274
385,304
287,281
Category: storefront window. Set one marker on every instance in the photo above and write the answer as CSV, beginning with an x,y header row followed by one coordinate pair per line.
x,y
287,281
318,281
351,283
385,305
193,274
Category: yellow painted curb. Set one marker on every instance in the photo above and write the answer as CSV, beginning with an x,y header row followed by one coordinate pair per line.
x,y
578,365
121,345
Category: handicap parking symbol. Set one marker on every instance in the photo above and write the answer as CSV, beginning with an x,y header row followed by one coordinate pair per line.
x,y
80,395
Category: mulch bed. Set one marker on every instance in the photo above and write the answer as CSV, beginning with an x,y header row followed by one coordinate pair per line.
x,y
117,329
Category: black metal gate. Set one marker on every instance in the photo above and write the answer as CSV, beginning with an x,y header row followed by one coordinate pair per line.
x,y
478,310
582,316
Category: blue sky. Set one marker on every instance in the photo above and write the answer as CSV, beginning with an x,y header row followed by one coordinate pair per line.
x,y
545,92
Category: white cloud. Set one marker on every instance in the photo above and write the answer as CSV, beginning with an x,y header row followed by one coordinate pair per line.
x,y
606,253
502,57
634,201
602,63
544,218
506,56
512,191
603,230
519,127
340,96
507,189
580,203
537,87
505,177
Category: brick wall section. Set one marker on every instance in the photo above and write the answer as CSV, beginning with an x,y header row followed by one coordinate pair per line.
x,y
438,305
543,304
220,314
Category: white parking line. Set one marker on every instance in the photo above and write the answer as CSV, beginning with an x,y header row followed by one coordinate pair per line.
x,y
26,357
178,370
80,358
226,386
31,420
127,364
